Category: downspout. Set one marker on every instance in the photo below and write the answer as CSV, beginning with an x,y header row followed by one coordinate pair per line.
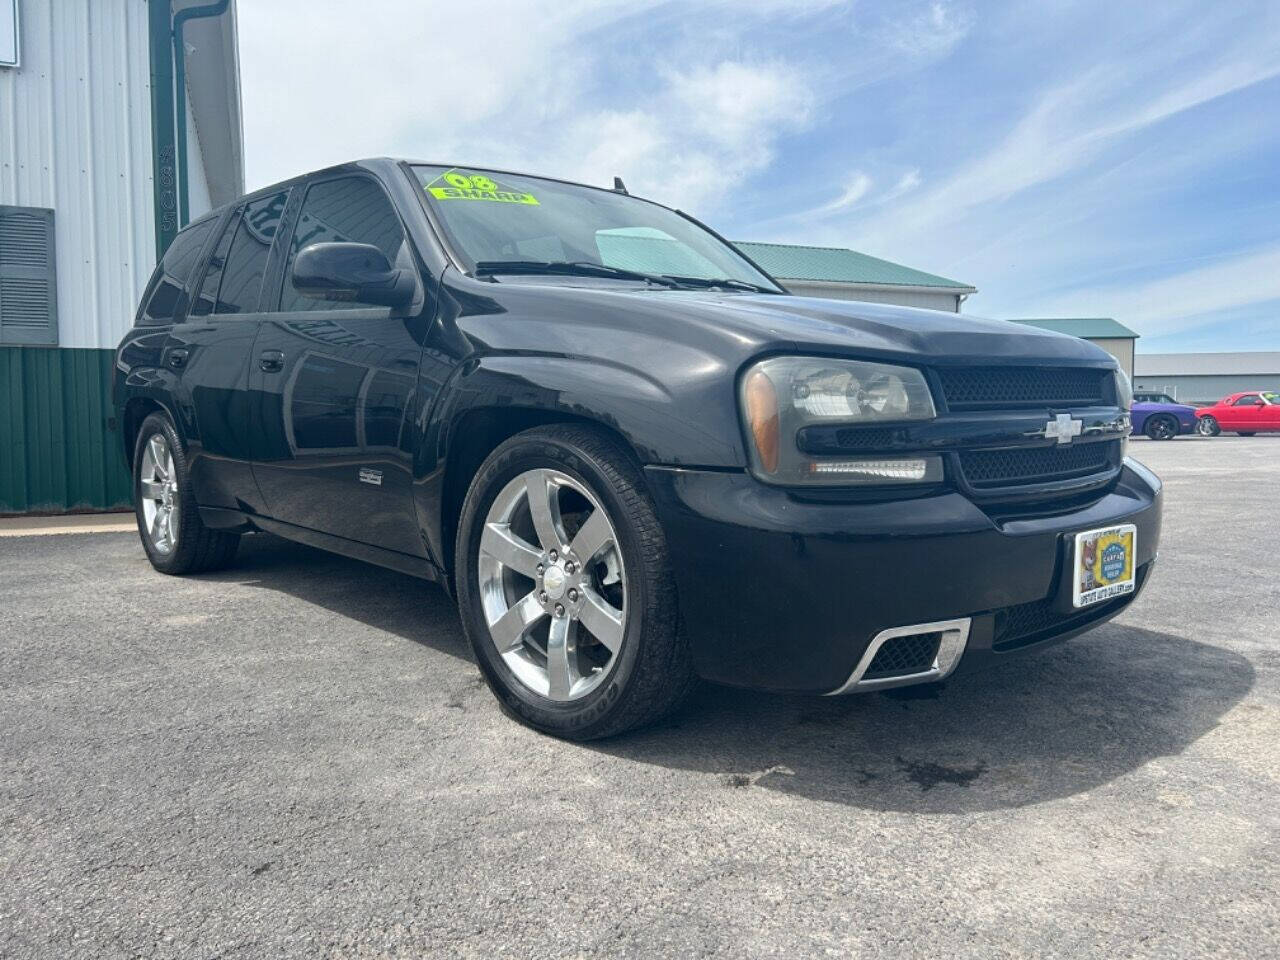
x,y
163,153
180,84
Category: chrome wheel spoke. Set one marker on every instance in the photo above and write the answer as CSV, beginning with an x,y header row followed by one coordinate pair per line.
x,y
562,655
499,542
152,489
544,508
590,540
509,630
524,539
159,457
171,525
603,620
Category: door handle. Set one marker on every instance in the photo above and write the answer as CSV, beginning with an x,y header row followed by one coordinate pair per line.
x,y
178,357
271,361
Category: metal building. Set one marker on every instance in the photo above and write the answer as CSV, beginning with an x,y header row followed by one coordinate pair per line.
x,y
101,162
1207,377
840,274
1113,337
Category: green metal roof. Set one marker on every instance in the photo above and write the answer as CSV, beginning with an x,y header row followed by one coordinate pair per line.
x,y
1093,328
838,265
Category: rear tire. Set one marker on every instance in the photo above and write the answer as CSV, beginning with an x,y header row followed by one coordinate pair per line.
x,y
1161,427
1208,427
552,663
176,540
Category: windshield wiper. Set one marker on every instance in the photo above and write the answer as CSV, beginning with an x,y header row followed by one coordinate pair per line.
x,y
572,268
723,282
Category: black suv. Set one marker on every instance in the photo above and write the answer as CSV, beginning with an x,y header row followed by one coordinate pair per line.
x,y
629,453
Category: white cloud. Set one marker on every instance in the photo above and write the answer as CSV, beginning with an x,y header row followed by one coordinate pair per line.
x,y
855,189
930,31
536,89
1178,302
1064,131
906,183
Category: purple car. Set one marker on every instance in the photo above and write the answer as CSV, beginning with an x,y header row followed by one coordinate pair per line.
x,y
1161,417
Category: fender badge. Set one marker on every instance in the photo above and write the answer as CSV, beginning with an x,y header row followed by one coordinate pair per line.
x,y
1063,427
371,476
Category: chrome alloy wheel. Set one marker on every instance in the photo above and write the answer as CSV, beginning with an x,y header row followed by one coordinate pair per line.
x,y
552,584
158,491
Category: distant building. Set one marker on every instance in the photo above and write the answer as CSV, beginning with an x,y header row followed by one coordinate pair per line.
x,y
122,124
840,274
1113,337
1207,377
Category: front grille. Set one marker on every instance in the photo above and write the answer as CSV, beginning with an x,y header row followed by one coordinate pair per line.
x,y
985,388
864,438
984,469
1028,623
902,656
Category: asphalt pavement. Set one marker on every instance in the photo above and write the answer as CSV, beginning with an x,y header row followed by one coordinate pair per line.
x,y
297,758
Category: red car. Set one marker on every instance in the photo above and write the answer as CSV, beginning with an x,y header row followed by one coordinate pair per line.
x,y
1244,413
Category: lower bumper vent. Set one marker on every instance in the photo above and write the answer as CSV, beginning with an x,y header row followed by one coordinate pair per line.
x,y
916,654
902,656
1028,623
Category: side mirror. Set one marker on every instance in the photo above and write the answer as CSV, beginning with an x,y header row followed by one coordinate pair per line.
x,y
351,271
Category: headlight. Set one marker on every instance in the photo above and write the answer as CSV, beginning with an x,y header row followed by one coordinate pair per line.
x,y
1124,400
784,394
1124,391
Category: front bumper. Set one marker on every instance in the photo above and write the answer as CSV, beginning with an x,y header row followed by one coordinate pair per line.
x,y
783,593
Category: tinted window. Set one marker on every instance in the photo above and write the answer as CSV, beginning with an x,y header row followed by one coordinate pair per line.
x,y
352,209
497,217
247,259
205,299
166,292
1252,400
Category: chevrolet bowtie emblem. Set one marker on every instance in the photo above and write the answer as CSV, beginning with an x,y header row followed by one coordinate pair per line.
x,y
1063,427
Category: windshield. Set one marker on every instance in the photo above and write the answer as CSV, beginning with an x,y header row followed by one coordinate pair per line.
x,y
1271,397
493,219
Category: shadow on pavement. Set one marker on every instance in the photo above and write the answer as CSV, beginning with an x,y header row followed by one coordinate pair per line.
x,y
406,606
1043,726
1039,727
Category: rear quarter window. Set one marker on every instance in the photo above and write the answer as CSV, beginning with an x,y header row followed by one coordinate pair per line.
x,y
166,295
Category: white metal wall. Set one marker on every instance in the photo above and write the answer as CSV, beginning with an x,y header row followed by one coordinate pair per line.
x,y
75,136
1207,388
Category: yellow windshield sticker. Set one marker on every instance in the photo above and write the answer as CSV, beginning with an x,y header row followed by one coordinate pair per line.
x,y
461,186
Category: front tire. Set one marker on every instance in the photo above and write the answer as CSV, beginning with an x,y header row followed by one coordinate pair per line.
x,y
565,586
1208,427
176,540
1161,428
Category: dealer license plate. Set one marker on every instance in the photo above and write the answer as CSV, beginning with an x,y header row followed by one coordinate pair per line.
x,y
1105,561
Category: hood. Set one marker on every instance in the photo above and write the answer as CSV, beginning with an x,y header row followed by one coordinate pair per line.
x,y
728,322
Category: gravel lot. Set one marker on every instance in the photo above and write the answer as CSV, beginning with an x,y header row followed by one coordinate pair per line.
x,y
296,758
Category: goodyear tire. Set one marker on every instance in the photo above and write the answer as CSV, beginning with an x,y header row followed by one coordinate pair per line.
x,y
565,587
175,539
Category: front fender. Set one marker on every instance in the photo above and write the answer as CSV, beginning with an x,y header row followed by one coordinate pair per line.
x,y
688,428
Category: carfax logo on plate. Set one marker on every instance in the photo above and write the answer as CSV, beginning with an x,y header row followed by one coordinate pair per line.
x,y
1113,561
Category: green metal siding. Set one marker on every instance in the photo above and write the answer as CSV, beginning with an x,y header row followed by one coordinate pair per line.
x,y
56,451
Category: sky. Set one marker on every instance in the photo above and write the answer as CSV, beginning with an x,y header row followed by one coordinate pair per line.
x,y
1067,159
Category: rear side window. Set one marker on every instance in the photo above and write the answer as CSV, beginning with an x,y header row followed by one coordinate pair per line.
x,y
1251,400
350,209
203,303
166,293
246,261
